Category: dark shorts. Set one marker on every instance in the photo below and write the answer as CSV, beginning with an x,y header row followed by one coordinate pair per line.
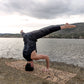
x,y
27,54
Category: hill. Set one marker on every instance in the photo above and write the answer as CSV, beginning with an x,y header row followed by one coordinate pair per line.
x,y
77,32
9,35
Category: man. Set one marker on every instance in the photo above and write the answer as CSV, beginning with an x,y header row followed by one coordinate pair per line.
x,y
30,39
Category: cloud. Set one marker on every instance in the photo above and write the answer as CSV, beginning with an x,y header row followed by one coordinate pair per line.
x,y
43,9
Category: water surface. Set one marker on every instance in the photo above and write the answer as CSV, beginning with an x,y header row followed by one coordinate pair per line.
x,y
70,51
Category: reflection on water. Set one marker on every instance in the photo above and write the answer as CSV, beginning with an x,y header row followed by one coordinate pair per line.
x,y
62,50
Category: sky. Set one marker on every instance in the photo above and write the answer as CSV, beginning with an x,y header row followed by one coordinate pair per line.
x,y
29,15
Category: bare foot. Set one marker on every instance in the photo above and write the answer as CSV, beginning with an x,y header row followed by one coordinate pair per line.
x,y
21,31
67,26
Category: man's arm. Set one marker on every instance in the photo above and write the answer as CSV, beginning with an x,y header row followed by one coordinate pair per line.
x,y
44,57
38,57
35,56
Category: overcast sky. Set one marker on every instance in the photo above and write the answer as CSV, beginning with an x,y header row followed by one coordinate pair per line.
x,y
34,14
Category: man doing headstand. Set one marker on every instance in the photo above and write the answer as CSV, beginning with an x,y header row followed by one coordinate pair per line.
x,y
30,39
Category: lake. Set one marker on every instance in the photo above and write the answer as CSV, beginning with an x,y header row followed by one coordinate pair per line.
x,y
70,51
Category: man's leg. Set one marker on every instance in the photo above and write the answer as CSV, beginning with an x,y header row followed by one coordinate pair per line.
x,y
47,30
44,31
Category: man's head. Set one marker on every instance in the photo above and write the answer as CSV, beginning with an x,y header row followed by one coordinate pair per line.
x,y
29,67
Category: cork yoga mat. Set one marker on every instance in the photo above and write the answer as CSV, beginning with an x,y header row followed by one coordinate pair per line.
x,y
61,77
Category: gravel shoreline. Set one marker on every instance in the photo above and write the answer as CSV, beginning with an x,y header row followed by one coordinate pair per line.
x,y
9,75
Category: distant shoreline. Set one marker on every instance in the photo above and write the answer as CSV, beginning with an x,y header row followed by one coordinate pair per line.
x,y
73,33
43,37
